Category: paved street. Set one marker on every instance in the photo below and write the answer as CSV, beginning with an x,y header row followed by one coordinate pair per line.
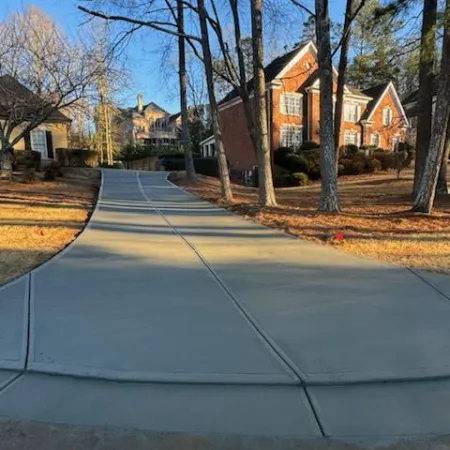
x,y
170,314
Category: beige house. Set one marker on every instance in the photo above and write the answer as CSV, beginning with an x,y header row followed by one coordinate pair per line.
x,y
16,100
149,125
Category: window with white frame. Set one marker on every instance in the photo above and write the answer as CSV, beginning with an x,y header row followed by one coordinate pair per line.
x,y
291,136
375,139
39,142
291,104
352,137
351,112
395,143
387,116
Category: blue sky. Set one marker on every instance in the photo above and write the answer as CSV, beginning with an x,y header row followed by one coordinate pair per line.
x,y
143,59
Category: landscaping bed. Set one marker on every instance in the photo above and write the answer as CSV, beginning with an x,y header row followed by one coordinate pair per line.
x,y
38,219
375,221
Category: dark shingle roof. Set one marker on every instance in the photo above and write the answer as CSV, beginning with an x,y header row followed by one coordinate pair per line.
x,y
270,71
14,96
375,92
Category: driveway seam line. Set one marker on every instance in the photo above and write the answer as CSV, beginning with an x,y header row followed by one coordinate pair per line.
x,y
258,330
284,359
431,285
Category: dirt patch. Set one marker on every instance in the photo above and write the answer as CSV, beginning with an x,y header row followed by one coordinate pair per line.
x,y
375,221
39,219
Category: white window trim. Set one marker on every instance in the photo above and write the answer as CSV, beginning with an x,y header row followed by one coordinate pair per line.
x,y
353,134
356,113
388,122
44,153
395,138
295,95
285,127
372,135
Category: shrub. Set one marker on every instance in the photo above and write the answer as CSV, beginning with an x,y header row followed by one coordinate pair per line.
x,y
403,160
27,158
300,178
77,157
49,174
206,166
29,174
386,159
310,145
56,167
350,149
372,164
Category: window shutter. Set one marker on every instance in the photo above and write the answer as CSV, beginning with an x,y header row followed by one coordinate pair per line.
x,y
283,104
48,136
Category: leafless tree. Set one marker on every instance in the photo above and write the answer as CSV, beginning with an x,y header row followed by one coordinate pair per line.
x,y
185,138
426,92
424,199
329,199
43,73
266,190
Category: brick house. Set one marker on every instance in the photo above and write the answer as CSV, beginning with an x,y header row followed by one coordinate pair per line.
x,y
149,125
373,116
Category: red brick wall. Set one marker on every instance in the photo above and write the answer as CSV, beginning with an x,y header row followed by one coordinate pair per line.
x,y
291,82
237,142
236,138
386,132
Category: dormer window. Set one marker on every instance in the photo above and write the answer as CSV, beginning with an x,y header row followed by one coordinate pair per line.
x,y
387,116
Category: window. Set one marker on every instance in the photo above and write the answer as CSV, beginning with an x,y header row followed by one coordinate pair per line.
x,y
352,137
375,139
351,113
39,142
291,136
291,104
387,116
395,143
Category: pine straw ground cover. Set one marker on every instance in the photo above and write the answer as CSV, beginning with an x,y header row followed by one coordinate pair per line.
x,y
39,219
375,221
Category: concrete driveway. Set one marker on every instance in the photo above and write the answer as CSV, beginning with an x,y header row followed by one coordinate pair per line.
x,y
170,314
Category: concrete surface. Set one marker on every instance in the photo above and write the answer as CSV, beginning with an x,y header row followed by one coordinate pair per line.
x,y
338,317
170,314
13,324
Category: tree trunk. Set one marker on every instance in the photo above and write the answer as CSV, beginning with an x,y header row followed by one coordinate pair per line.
x,y
266,190
185,138
244,94
425,196
426,82
329,199
442,185
225,184
343,61
6,161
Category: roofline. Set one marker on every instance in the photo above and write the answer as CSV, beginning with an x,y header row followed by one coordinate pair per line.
x,y
308,46
213,136
396,98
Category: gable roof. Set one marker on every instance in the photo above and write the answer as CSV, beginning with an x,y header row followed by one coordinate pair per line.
x,y
377,93
14,95
271,71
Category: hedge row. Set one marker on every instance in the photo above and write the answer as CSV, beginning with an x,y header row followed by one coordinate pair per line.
x,y
77,157
204,166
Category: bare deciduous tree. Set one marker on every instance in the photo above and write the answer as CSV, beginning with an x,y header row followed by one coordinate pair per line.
x,y
266,190
43,73
424,199
329,199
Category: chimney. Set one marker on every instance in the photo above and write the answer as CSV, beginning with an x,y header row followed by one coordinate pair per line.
x,y
140,103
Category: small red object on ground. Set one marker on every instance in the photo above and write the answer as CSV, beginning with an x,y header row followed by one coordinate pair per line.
x,y
339,236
